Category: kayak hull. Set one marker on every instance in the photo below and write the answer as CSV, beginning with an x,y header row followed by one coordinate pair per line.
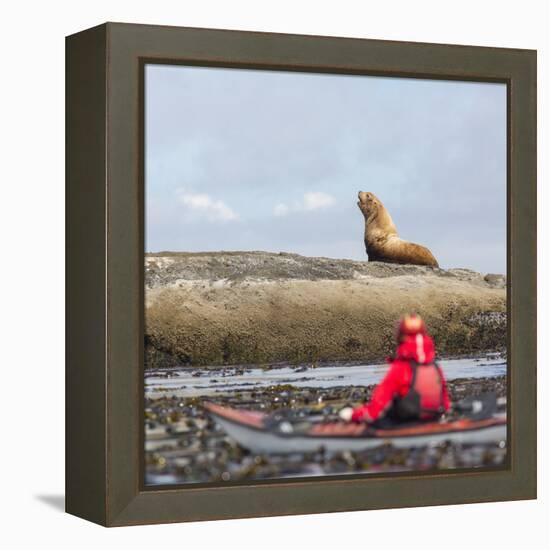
x,y
248,430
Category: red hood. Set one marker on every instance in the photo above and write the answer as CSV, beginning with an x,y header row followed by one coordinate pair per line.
x,y
419,347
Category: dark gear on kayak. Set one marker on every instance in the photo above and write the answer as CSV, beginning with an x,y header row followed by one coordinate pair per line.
x,y
414,387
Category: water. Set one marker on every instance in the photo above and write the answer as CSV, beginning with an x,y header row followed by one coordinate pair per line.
x,y
186,382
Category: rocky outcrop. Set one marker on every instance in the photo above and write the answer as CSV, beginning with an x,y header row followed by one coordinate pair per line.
x,y
259,307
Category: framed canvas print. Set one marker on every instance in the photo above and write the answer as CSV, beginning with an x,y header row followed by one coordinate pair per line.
x,y
301,274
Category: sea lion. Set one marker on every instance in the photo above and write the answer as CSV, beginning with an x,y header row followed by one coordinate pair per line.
x,y
381,239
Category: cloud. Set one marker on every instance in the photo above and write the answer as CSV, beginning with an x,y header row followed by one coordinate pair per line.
x,y
203,205
281,209
317,200
314,200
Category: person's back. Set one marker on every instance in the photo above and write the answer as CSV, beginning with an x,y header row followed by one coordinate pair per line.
x,y
414,387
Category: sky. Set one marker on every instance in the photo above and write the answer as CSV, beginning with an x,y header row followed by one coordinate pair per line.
x,y
272,160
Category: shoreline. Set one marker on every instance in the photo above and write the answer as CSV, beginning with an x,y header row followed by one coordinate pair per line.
x,y
213,382
488,355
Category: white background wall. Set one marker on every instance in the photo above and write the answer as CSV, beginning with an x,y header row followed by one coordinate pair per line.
x,y
32,285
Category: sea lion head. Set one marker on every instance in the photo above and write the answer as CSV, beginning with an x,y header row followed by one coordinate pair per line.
x,y
368,203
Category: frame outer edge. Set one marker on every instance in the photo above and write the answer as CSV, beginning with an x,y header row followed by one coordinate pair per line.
x,y
85,222
523,271
127,44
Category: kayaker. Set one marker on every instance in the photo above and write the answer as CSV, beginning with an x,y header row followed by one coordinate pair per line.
x,y
414,387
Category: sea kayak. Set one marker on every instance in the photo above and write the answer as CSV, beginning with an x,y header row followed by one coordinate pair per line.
x,y
255,431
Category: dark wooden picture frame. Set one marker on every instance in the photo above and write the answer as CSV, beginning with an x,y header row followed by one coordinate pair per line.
x,y
105,235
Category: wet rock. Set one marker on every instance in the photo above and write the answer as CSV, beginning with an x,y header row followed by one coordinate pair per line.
x,y
195,449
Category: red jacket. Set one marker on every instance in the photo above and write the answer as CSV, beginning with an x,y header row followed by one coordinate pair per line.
x,y
397,382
